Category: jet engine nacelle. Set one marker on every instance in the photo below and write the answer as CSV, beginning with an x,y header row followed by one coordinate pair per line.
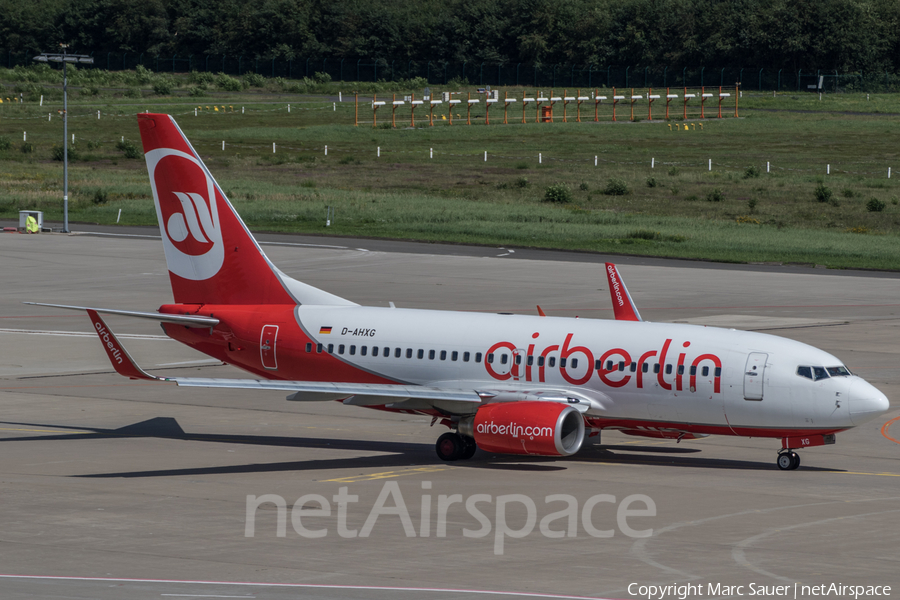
x,y
541,428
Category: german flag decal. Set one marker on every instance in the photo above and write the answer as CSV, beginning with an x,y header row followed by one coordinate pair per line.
x,y
324,330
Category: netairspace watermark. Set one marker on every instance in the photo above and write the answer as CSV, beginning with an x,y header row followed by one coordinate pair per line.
x,y
391,507
683,591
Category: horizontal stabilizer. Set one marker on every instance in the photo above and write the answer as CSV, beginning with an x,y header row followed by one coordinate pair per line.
x,y
195,320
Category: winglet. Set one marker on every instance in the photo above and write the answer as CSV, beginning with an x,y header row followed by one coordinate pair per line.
x,y
623,305
540,312
118,356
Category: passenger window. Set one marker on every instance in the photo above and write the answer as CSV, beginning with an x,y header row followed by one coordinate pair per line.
x,y
540,361
681,369
420,354
597,364
431,355
319,348
478,357
341,349
693,369
330,348
454,355
465,357
352,350
562,363
530,361
552,361
363,349
656,368
609,365
503,359
309,347
621,365
409,353
704,372
375,350
820,373
443,355
645,367
398,352
633,367
490,358
574,363
718,372
518,359
668,369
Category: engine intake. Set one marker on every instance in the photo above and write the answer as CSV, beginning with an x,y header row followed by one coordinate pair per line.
x,y
538,428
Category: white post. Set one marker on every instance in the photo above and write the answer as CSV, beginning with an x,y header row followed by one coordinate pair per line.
x,y
431,153
98,115
273,147
820,96
195,111
326,150
223,145
540,158
123,138
340,97
710,164
48,117
42,100
24,136
242,110
485,156
595,160
889,172
652,163
828,169
73,138
379,152
767,166
334,106
119,216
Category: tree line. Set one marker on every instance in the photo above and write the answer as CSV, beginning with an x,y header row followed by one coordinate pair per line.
x,y
834,35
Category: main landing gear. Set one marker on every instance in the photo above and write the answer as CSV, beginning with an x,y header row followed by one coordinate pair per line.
x,y
788,460
452,446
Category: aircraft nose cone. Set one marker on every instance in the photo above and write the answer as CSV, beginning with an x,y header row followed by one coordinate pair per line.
x,y
866,402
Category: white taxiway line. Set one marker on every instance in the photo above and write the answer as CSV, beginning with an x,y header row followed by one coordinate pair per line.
x,y
156,237
373,588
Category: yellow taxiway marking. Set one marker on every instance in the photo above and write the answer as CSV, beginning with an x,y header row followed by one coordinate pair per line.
x,y
388,474
861,473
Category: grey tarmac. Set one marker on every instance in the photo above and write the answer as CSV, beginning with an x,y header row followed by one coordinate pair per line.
x,y
111,488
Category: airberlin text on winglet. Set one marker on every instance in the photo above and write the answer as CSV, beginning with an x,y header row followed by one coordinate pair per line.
x,y
113,351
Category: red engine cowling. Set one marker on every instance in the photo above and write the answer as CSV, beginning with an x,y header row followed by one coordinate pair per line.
x,y
541,428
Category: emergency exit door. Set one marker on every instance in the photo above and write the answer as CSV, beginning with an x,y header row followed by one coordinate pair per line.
x,y
267,341
754,374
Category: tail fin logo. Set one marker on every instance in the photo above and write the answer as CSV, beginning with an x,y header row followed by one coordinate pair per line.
x,y
185,197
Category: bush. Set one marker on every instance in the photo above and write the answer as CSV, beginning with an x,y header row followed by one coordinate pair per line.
x,y
584,186
751,204
254,80
558,193
321,78
133,92
717,195
27,148
197,91
822,193
522,165
616,187
5,143
673,171
751,171
848,193
651,182
228,83
58,153
875,205
100,196
521,182
162,86
129,149
645,234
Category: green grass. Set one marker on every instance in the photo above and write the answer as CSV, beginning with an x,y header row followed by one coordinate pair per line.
x,y
458,197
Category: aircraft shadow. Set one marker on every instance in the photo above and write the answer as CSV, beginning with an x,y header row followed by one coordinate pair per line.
x,y
391,454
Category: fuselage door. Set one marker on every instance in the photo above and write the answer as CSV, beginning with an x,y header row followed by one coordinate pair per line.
x,y
267,346
754,374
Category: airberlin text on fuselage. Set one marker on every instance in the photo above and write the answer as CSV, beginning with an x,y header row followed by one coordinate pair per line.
x,y
615,377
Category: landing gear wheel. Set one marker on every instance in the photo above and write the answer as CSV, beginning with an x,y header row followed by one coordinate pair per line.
x,y
449,447
469,448
785,461
795,460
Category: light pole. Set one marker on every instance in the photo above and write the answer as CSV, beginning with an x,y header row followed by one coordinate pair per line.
x,y
65,59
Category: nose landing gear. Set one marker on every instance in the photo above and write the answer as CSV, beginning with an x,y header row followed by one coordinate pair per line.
x,y
788,460
452,446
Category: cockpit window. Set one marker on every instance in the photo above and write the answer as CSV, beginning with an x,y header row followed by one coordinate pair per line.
x,y
805,372
838,371
819,373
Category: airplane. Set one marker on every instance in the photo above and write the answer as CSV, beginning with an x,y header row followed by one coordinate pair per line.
x,y
505,383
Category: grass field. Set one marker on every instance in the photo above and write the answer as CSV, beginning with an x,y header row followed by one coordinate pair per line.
x,y
433,183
